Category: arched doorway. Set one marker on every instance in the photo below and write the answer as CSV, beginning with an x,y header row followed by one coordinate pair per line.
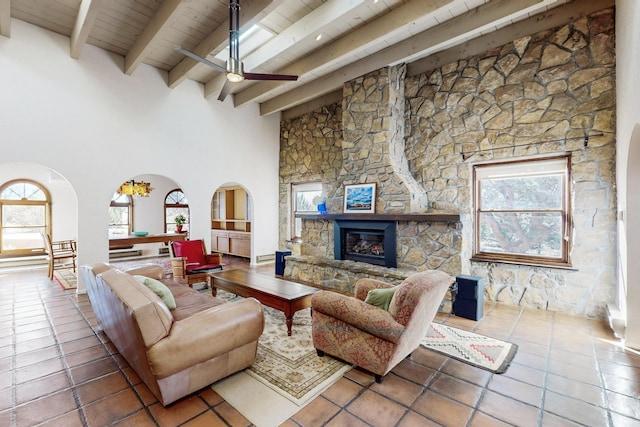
x,y
231,215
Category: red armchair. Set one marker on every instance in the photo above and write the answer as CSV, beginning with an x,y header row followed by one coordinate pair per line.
x,y
191,263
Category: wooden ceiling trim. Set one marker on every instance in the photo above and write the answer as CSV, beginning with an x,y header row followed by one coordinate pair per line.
x,y
347,45
84,23
456,27
164,16
5,18
250,14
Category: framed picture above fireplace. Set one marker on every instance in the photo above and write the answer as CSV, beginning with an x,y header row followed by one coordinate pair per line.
x,y
360,198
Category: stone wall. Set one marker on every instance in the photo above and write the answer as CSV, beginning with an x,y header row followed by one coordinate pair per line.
x,y
538,95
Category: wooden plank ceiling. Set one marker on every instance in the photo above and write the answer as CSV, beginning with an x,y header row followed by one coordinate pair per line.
x,y
324,42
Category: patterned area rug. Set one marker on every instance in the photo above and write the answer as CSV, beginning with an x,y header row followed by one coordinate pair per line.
x,y
477,350
66,278
289,364
286,375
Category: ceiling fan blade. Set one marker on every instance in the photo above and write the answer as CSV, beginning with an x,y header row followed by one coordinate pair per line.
x,y
226,88
261,76
201,59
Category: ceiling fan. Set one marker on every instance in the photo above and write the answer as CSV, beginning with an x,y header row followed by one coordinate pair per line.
x,y
235,69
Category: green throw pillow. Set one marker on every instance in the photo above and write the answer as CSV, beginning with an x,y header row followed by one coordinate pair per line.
x,y
160,289
380,297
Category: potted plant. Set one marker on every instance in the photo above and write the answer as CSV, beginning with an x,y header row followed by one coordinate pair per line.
x,y
180,220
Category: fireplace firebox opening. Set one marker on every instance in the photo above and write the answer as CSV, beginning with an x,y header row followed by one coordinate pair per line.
x,y
373,242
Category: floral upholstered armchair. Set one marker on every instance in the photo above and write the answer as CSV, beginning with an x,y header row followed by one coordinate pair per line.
x,y
369,336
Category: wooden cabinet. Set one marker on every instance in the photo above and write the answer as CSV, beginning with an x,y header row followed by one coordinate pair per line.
x,y
230,225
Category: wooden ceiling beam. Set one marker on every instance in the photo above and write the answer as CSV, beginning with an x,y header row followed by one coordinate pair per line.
x,y
464,24
164,16
355,41
5,18
251,13
84,23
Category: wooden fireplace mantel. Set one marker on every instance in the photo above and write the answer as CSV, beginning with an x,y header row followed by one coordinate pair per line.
x,y
428,217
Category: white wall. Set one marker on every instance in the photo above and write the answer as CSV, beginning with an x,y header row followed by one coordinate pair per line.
x,y
628,162
98,127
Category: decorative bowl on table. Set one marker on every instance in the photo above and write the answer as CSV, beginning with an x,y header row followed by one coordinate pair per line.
x,y
140,233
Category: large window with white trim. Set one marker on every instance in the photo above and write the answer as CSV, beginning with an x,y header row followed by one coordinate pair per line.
x,y
25,213
522,211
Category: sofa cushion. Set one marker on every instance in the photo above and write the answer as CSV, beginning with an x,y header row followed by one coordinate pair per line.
x,y
189,301
202,268
380,297
159,289
192,250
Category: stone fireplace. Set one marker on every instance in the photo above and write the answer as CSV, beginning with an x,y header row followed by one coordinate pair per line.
x,y
417,134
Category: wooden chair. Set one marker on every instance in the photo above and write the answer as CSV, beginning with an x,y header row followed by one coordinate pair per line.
x,y
61,254
191,263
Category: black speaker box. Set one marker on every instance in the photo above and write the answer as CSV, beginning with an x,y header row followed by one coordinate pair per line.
x,y
469,299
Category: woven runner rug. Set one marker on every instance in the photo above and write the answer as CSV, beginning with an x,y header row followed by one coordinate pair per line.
x,y
478,350
66,278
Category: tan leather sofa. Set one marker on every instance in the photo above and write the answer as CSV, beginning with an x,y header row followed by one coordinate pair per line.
x,y
175,352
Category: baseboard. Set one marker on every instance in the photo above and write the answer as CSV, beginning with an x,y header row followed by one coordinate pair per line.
x,y
116,254
617,322
265,258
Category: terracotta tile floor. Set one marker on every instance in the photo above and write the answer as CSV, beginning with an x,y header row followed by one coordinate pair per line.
x,y
55,370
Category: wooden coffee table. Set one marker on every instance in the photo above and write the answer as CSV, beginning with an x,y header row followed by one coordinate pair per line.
x,y
280,294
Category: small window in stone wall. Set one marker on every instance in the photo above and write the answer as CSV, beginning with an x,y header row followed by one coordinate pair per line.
x,y
302,202
522,211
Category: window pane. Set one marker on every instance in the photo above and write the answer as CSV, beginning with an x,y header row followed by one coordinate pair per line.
x,y
304,200
22,238
118,220
176,198
120,198
23,190
23,215
171,219
524,193
535,234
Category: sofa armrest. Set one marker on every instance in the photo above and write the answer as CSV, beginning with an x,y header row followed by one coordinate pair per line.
x,y
352,311
205,335
363,286
152,270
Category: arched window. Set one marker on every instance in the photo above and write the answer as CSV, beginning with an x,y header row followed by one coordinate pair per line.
x,y
120,215
175,204
25,213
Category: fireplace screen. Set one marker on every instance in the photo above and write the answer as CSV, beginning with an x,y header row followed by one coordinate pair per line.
x,y
365,243
373,242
